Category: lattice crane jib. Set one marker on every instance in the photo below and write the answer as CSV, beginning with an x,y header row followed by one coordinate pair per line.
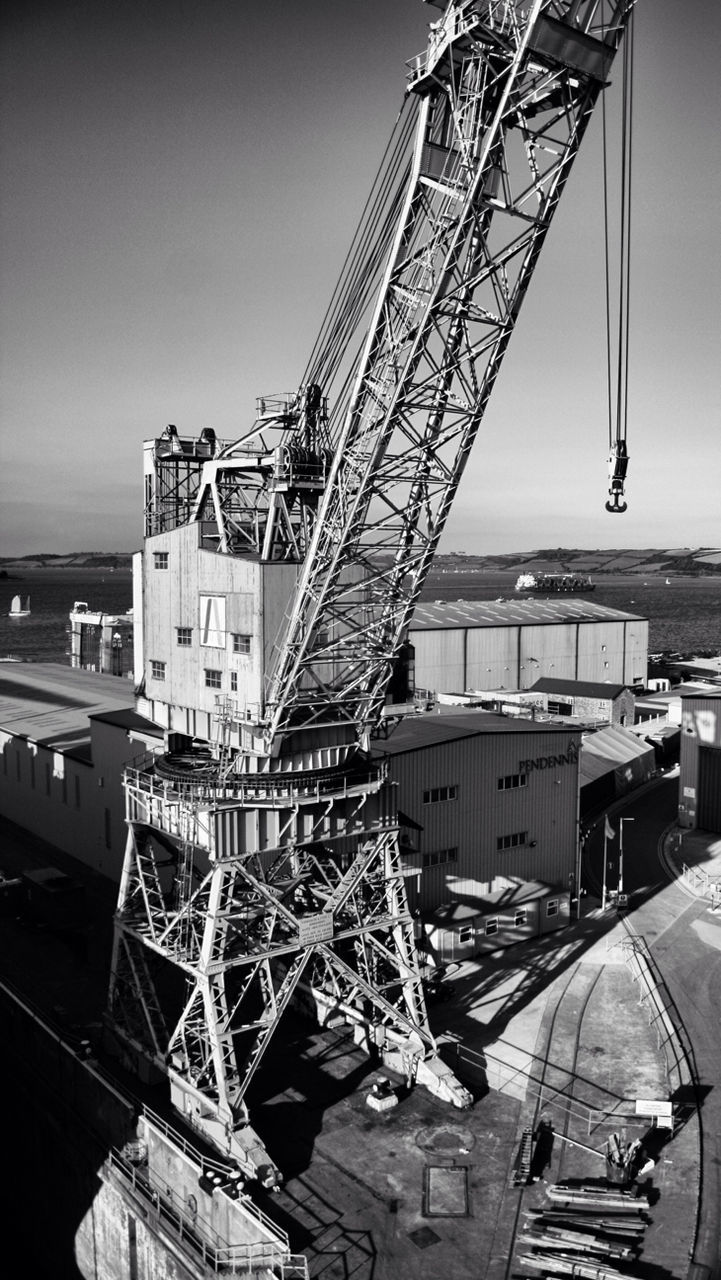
x,y
256,878
505,94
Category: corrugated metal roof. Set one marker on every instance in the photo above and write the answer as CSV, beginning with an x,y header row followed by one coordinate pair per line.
x,y
608,748
578,688
512,613
416,732
51,704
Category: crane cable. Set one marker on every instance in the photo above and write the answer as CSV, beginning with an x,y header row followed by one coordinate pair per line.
x,y
618,400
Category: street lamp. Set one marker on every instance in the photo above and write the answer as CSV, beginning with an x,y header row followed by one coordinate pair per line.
x,y
620,851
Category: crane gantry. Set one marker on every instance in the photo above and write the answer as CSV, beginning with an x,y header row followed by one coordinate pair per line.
x,y
278,580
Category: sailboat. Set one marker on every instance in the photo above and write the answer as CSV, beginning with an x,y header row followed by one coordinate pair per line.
x,y
17,610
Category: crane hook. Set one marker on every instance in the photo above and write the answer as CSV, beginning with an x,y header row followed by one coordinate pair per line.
x,y
617,468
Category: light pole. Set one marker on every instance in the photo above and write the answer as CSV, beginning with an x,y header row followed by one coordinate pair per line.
x,y
620,851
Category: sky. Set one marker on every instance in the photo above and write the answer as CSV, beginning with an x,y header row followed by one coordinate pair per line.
x,y
179,185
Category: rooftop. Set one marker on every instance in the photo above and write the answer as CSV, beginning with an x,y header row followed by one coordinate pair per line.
x,y
509,613
578,688
52,704
416,732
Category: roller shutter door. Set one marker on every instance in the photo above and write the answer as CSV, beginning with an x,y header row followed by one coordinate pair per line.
x,y
708,814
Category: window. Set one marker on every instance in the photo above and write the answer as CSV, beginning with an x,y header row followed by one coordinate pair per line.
x,y
520,917
241,644
184,636
466,933
552,907
212,678
513,841
438,794
511,781
212,621
234,682
491,926
160,559
157,670
440,856
559,708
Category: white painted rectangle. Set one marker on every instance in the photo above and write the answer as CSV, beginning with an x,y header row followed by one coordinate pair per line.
x,y
318,928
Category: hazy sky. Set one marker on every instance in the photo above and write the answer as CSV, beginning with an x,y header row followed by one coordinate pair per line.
x,y
180,182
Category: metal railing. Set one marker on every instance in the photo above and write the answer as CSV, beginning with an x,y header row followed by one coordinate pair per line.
x,y
197,1234
699,880
671,1034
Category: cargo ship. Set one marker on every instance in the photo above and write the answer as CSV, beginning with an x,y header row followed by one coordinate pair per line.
x,y
546,584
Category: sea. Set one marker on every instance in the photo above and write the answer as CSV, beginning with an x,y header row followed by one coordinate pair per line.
x,y
684,613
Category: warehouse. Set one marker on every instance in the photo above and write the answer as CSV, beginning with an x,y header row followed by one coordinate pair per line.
x,y
511,644
65,736
490,803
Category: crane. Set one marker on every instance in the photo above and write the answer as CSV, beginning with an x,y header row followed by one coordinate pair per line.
x,y
279,573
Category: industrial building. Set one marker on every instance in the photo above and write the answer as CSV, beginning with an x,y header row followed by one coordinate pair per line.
x,y
700,774
511,644
587,700
101,642
488,808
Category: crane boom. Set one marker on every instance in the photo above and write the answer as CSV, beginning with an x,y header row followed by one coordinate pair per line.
x,y
505,95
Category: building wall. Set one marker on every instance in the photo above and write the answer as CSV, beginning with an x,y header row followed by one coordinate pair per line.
x,y
700,762
514,656
75,805
544,808
248,599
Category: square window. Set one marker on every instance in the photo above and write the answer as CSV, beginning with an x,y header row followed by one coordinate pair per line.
x,y
491,927
520,917
160,559
466,933
241,644
212,678
157,670
184,636
552,907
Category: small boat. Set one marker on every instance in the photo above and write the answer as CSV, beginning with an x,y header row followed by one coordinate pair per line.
x,y
17,610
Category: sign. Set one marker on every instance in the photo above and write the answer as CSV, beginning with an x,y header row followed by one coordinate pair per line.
x,y
653,1107
318,928
549,762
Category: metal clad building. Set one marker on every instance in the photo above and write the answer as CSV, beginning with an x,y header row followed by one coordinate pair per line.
x,y
491,801
510,644
700,773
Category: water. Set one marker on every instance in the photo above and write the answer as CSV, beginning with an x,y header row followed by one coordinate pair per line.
x,y
684,616
42,637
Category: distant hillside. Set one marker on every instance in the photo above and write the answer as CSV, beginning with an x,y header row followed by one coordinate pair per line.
x,y
678,560
683,560
75,560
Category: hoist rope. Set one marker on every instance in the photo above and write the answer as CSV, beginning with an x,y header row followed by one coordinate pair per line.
x,y
338,343
618,398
